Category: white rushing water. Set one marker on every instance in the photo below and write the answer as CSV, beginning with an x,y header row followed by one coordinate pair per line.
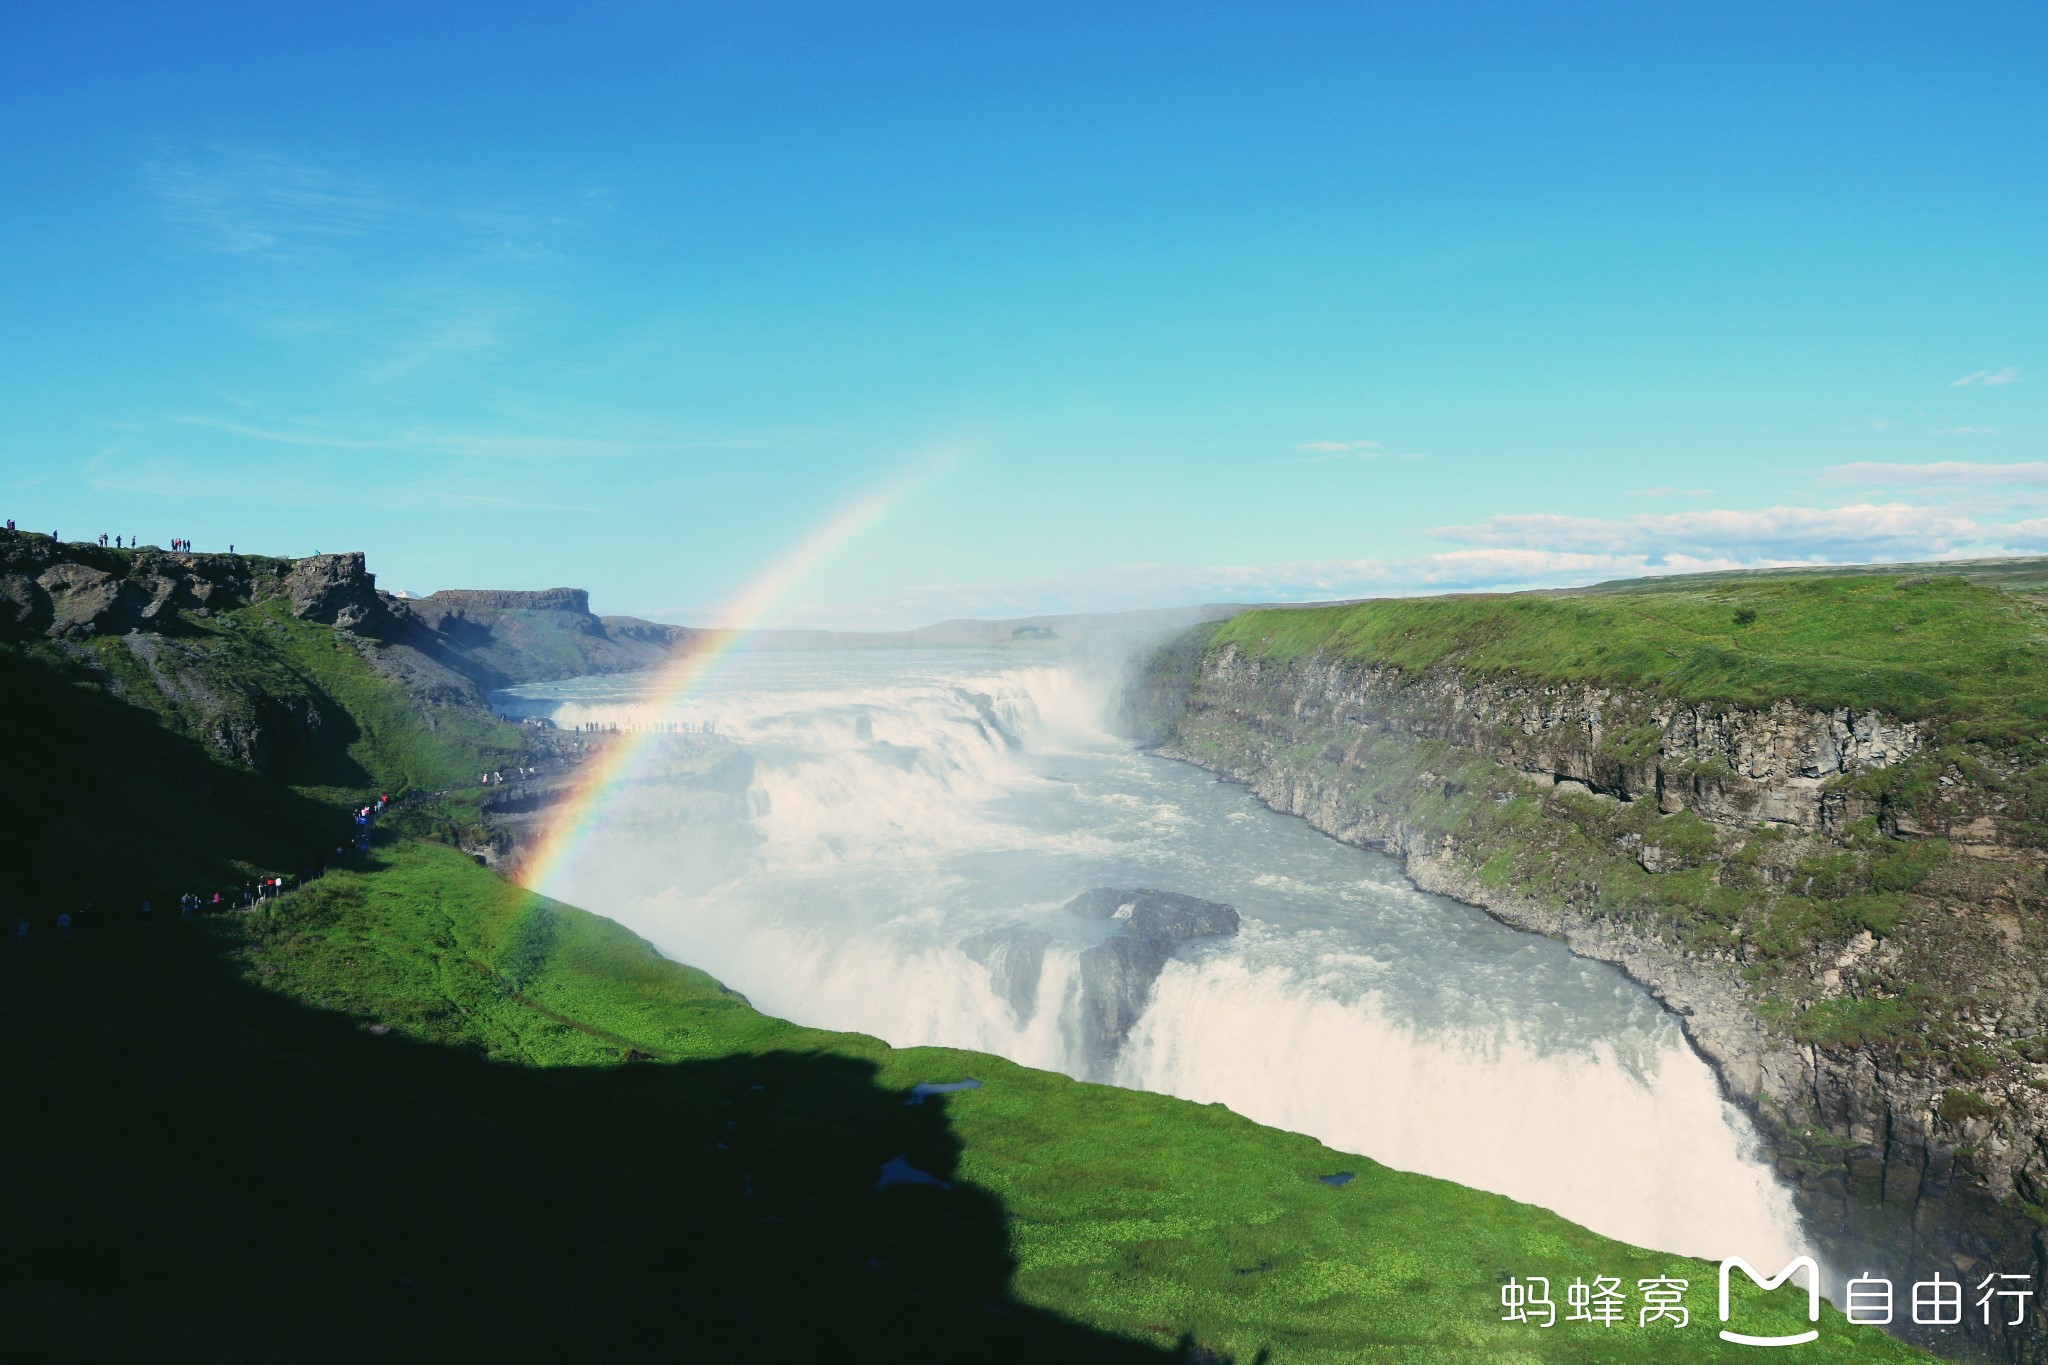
x,y
866,813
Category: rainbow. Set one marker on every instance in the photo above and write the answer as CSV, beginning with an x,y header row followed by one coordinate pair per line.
x,y
598,779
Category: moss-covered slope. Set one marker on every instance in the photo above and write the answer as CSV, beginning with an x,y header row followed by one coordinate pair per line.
x,y
567,1146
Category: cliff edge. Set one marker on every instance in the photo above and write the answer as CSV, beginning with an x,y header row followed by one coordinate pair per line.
x,y
1810,815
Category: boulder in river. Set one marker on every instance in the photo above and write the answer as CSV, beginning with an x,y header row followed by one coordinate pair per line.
x,y
1156,914
1117,974
1015,958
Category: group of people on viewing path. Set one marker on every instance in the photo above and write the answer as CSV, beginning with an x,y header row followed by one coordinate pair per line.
x,y
179,544
247,896
654,727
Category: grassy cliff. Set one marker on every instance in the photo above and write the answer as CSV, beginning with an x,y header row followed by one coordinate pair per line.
x,y
1810,811
1965,662
1913,646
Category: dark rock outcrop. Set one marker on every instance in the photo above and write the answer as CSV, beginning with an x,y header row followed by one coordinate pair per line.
x,y
88,601
335,590
1117,974
74,592
1156,914
1015,958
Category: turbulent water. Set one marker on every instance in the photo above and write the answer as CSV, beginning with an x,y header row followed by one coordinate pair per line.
x,y
864,814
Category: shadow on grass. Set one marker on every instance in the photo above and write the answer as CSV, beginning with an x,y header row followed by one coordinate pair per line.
x,y
197,1168
114,807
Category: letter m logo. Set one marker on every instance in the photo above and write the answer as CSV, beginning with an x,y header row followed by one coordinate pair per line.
x,y
1792,1267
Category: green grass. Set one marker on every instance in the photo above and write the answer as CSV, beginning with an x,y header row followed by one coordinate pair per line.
x,y
568,1146
1914,647
122,778
395,742
337,727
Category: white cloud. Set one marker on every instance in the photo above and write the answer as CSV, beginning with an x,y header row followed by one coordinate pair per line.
x,y
1139,586
1861,531
1989,379
440,441
464,334
252,202
1938,473
1321,451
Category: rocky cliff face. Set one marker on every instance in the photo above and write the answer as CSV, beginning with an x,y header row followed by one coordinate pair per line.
x,y
1890,1060
455,602
336,590
159,627
506,638
78,591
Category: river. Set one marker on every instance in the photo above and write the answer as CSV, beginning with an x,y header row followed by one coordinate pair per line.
x,y
866,817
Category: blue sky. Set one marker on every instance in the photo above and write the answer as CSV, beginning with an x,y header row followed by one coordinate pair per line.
x,y
1190,302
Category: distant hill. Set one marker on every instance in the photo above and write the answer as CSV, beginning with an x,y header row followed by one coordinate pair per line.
x,y
503,638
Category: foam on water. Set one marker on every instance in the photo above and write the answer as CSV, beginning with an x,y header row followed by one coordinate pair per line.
x,y
879,807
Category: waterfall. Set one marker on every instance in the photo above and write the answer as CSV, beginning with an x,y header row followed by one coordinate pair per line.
x,y
884,841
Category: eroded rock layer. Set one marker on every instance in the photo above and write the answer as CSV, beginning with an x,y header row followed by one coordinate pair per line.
x,y
1856,954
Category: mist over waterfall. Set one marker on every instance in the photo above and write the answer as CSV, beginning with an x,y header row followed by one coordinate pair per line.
x,y
893,841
